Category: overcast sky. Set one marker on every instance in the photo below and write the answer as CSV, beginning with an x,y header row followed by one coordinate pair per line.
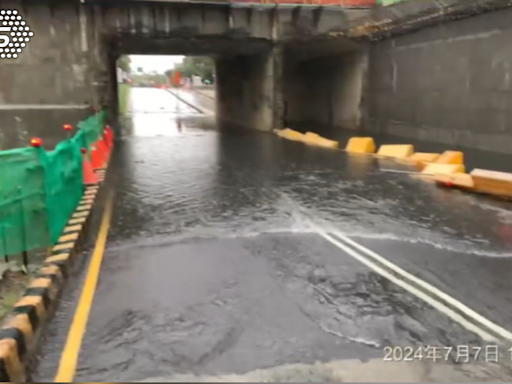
x,y
154,63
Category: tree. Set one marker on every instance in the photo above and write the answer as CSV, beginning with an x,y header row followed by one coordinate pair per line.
x,y
201,66
124,63
169,73
141,79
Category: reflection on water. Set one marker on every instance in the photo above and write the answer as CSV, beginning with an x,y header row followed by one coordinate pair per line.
x,y
181,176
156,112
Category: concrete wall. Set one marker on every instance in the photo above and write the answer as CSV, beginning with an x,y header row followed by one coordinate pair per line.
x,y
325,92
49,84
450,84
68,65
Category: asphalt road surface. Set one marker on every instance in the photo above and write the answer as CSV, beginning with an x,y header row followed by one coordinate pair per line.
x,y
239,256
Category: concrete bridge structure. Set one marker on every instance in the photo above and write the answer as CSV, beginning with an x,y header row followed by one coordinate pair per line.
x,y
430,70
70,63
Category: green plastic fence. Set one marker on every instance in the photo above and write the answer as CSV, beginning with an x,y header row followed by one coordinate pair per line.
x,y
90,130
63,184
23,218
39,190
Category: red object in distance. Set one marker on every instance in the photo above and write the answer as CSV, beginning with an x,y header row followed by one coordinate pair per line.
x,y
68,127
176,80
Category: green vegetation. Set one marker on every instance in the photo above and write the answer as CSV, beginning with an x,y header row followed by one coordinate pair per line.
x,y
124,94
124,63
148,79
201,66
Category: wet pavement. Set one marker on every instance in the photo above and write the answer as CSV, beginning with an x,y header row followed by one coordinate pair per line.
x,y
215,265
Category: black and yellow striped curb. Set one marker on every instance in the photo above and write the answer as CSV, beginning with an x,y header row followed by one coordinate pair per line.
x,y
101,174
20,330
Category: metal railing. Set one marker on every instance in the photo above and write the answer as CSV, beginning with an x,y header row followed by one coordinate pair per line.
x,y
409,15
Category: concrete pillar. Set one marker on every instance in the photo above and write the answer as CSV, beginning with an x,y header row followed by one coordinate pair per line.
x,y
276,79
112,92
249,90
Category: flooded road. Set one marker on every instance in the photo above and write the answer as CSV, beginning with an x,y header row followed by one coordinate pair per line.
x,y
224,258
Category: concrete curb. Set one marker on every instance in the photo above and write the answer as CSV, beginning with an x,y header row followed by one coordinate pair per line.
x,y
204,111
203,94
21,329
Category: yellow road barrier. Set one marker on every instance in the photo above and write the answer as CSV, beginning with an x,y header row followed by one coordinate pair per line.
x,y
457,180
450,157
360,145
315,139
479,180
492,182
396,150
423,157
323,142
434,169
290,134
308,138
419,159
311,135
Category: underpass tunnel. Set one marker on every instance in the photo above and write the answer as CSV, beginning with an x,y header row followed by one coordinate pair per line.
x,y
243,77
323,86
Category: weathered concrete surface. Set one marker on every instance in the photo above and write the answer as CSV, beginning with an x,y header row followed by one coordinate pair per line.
x,y
410,16
18,125
53,81
449,84
245,91
70,60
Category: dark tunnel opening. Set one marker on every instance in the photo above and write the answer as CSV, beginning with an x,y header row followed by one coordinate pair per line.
x,y
323,86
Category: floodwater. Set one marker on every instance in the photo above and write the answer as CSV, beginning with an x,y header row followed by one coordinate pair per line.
x,y
215,266
222,184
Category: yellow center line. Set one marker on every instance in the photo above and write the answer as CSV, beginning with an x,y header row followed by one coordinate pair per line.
x,y
69,358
